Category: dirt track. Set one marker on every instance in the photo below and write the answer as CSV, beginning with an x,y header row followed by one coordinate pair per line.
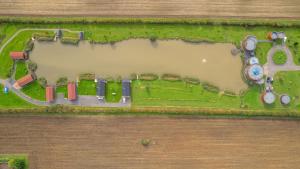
x,y
193,8
113,142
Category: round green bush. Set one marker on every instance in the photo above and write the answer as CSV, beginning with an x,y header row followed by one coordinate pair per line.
x,y
279,58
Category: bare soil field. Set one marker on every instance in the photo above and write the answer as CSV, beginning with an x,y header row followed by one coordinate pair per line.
x,y
192,8
114,142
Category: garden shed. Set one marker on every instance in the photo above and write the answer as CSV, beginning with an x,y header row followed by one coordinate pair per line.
x,y
101,83
72,93
24,81
49,93
19,55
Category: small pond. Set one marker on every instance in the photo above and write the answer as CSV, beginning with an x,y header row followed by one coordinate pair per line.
x,y
212,63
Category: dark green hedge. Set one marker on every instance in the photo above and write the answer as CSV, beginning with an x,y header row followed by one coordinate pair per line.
x,y
202,21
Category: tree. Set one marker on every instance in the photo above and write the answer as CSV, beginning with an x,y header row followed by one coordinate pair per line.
x,y
42,81
31,66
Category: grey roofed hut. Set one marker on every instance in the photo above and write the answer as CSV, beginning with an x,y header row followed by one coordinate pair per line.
x,y
101,83
126,89
81,35
285,99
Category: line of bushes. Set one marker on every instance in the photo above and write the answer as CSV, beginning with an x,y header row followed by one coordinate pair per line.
x,y
44,36
171,77
148,76
87,76
202,21
177,111
70,40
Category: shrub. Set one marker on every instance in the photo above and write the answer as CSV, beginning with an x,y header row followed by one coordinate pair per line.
x,y
191,80
31,66
42,81
63,81
145,142
148,76
171,77
279,58
29,45
18,163
210,87
69,40
87,76
133,76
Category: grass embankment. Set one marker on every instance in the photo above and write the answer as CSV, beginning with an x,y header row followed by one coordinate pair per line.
x,y
15,161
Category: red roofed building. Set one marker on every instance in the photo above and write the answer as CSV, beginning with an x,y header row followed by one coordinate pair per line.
x,y
72,94
23,81
19,55
49,93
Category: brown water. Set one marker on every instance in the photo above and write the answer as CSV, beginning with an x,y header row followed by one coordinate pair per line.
x,y
208,62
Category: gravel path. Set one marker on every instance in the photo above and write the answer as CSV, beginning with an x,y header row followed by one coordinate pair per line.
x,y
270,68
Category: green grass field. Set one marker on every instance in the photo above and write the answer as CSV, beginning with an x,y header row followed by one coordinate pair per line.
x,y
86,87
35,91
113,91
21,69
10,100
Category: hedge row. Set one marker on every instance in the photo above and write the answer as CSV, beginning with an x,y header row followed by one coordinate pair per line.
x,y
171,77
87,76
227,113
70,40
202,21
148,76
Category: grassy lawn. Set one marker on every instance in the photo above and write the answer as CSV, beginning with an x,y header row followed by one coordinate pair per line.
x,y
113,91
166,93
15,161
288,83
21,69
279,58
86,87
10,100
35,91
62,89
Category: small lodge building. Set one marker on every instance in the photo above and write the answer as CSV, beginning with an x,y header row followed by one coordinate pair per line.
x,y
49,94
72,93
19,55
276,35
126,90
101,83
24,81
81,35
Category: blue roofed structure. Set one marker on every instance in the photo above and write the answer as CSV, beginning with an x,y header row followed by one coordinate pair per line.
x,y
126,88
101,83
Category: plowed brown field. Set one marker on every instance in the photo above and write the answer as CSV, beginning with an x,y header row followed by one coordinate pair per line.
x,y
114,142
193,8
